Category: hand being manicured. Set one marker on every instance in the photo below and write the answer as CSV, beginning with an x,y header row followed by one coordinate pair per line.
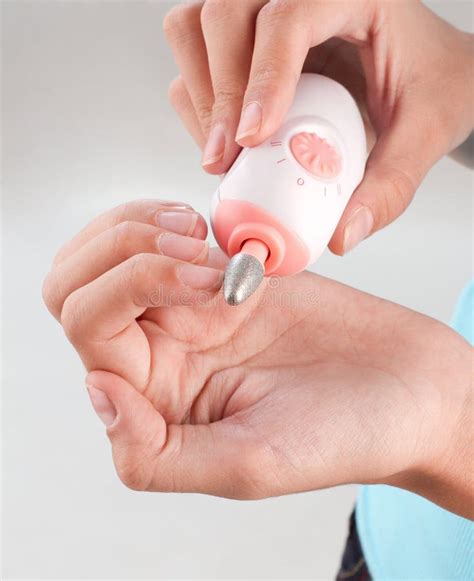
x,y
309,384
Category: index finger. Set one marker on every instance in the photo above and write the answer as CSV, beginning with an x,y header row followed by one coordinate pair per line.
x,y
100,317
285,32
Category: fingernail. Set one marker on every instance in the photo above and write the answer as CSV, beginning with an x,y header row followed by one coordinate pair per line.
x,y
172,204
358,228
102,405
215,146
250,120
179,222
200,277
181,247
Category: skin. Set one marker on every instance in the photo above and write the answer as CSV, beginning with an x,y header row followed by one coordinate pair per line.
x,y
307,385
406,67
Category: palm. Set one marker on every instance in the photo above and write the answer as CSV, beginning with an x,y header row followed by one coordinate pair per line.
x,y
324,362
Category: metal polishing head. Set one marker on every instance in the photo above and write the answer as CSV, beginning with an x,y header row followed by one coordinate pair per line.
x,y
243,276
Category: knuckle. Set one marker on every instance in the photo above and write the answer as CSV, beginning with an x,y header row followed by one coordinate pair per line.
x,y
51,293
177,92
71,316
215,10
135,461
203,107
180,22
120,212
132,473
398,191
123,211
125,231
268,74
59,256
402,190
276,10
401,186
126,228
228,92
124,235
139,267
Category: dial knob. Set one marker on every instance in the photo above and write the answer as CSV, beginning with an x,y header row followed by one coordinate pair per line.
x,y
319,157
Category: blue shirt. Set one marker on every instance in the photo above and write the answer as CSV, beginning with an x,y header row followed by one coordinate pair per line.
x,y
405,536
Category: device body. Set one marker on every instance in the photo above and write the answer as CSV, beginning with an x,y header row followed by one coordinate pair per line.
x,y
290,191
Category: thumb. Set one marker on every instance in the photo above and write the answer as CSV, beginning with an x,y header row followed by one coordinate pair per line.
x,y
219,458
403,154
136,430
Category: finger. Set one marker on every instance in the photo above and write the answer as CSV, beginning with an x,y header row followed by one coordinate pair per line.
x,y
218,458
402,156
217,258
108,304
174,216
182,28
100,318
284,33
110,248
229,24
182,104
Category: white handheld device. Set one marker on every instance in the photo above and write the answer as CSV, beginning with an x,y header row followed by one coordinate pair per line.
x,y
277,207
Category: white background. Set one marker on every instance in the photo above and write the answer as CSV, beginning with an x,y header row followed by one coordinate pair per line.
x,y
86,126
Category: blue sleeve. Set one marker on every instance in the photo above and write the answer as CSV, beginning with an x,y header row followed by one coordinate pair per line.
x,y
462,319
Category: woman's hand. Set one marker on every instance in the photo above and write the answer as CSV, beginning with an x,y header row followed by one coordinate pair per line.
x,y
409,70
309,384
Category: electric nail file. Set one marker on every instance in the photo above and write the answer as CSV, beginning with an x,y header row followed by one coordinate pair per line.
x,y
277,207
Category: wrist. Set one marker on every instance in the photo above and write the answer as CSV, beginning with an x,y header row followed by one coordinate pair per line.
x,y
443,471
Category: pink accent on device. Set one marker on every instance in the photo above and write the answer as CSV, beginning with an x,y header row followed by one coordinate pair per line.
x,y
236,222
316,155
